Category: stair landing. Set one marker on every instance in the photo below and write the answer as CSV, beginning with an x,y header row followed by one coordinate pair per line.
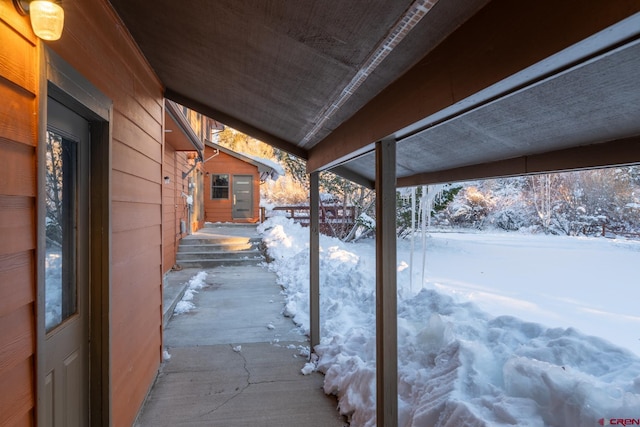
x,y
221,245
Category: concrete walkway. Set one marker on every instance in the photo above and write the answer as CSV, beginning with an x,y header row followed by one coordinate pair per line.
x,y
235,360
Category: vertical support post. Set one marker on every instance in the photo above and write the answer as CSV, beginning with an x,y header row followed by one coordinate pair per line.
x,y
386,294
314,260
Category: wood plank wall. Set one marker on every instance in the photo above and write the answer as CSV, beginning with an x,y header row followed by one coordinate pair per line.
x,y
174,205
18,140
96,44
220,210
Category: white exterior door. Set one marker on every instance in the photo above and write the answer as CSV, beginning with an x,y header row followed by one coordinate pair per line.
x,y
66,281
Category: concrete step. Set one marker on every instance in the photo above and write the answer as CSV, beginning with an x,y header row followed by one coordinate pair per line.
x,y
219,247
217,262
214,250
184,256
219,240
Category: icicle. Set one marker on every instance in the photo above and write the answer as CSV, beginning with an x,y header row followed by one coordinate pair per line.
x,y
413,232
429,195
425,214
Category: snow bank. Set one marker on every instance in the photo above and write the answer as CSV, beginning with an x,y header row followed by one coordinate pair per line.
x,y
457,365
196,283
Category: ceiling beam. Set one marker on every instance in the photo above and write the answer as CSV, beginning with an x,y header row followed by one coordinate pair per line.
x,y
502,39
353,176
237,124
606,154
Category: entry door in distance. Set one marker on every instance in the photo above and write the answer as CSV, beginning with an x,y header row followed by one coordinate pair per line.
x,y
242,197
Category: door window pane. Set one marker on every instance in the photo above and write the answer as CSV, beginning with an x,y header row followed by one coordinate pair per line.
x,y
61,229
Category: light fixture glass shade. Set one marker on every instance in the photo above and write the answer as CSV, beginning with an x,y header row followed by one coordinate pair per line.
x,y
47,19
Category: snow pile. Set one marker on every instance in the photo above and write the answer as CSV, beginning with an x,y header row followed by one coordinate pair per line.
x,y
196,283
457,364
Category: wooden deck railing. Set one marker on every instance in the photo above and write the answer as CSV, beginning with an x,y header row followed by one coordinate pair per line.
x,y
333,220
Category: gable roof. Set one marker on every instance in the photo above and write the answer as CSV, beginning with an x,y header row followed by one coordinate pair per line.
x,y
266,168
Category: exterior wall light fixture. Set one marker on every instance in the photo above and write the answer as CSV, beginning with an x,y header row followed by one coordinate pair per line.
x,y
47,17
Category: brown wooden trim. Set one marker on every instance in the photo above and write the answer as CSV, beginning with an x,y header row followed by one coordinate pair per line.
x,y
386,286
100,301
502,39
612,153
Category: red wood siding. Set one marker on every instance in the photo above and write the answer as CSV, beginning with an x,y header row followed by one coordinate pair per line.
x,y
94,43
174,205
221,210
18,118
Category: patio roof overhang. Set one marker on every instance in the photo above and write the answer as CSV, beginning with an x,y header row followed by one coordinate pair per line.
x,y
178,132
467,88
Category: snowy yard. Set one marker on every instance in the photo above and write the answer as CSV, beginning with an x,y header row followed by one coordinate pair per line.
x,y
505,329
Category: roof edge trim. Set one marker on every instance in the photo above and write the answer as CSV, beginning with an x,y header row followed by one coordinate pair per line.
x,y
238,124
174,111
263,168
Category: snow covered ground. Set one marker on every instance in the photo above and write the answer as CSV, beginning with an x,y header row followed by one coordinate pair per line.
x,y
505,329
53,287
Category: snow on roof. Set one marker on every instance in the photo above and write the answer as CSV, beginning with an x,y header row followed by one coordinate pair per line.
x,y
278,170
267,168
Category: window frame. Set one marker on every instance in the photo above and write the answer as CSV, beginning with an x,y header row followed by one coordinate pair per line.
x,y
213,188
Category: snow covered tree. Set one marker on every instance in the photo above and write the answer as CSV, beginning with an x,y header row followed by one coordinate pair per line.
x,y
511,211
470,208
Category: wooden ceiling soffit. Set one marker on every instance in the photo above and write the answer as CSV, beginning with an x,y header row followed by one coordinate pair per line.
x,y
502,39
606,154
178,132
237,124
